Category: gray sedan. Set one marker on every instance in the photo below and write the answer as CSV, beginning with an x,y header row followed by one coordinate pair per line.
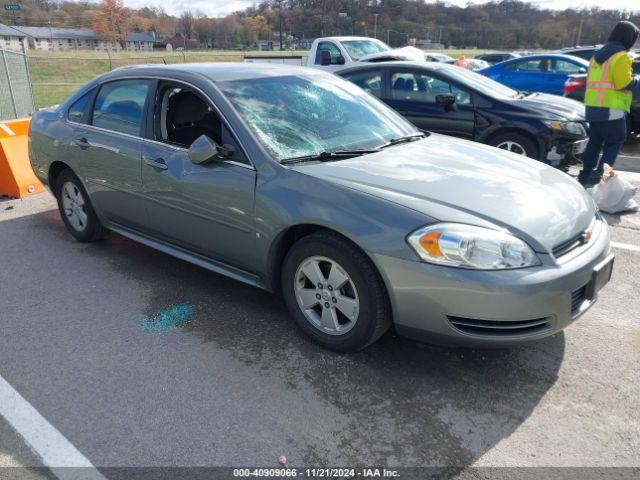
x,y
300,183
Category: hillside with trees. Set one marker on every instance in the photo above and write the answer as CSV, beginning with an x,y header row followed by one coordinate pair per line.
x,y
504,24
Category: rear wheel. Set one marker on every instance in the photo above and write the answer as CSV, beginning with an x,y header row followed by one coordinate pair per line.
x,y
334,293
75,208
515,143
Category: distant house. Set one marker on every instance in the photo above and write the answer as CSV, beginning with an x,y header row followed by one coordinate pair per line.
x,y
179,42
11,39
140,41
56,39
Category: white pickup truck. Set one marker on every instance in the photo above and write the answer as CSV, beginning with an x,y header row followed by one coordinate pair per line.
x,y
336,53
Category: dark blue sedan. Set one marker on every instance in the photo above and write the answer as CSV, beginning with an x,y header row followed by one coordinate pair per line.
x,y
537,73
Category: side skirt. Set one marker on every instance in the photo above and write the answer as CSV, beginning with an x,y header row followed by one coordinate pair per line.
x,y
200,260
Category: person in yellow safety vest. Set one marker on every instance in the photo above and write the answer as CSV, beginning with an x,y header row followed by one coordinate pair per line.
x,y
608,101
461,62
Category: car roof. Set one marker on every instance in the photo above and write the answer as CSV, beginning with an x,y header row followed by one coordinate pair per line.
x,y
551,56
215,71
431,66
347,38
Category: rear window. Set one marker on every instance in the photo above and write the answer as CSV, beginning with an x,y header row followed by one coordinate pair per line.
x,y
370,81
119,106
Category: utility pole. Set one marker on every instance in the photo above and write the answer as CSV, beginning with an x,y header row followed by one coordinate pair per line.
x,y
440,35
375,25
579,37
280,10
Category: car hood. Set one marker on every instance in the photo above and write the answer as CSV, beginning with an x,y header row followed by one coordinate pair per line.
x,y
451,179
552,106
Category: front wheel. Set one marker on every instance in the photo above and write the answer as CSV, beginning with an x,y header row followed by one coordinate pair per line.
x,y
334,293
515,143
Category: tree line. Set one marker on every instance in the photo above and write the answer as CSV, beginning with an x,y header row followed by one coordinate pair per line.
x,y
506,24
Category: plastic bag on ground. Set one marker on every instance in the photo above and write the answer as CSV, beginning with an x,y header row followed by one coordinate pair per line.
x,y
614,195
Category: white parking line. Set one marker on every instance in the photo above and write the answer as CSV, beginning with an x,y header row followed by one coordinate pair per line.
x,y
55,451
626,246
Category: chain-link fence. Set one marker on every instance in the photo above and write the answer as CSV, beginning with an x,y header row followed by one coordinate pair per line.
x,y
16,98
55,78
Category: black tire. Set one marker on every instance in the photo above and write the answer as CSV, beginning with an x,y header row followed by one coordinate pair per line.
x,y
91,230
374,314
527,144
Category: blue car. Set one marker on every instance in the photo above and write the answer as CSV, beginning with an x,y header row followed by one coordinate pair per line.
x,y
537,73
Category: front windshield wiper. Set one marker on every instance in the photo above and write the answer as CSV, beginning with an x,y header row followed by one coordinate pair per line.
x,y
328,156
404,139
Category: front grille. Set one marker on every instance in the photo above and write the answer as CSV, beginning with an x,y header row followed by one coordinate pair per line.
x,y
569,245
577,298
493,328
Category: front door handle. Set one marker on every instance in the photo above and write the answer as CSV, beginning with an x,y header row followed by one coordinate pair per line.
x,y
158,163
82,142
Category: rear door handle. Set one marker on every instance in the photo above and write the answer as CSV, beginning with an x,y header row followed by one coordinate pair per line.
x,y
158,163
82,143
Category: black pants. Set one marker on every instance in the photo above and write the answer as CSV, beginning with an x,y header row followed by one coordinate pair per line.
x,y
604,137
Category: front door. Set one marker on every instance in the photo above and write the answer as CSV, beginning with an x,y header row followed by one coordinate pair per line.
x,y
413,94
108,151
206,209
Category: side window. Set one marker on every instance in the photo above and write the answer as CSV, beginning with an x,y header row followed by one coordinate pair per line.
x,y
562,66
78,109
423,88
182,115
526,66
329,47
119,106
370,81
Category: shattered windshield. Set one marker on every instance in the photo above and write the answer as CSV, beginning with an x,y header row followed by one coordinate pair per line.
x,y
359,48
296,116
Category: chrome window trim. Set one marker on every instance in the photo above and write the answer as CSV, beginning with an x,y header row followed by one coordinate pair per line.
x,y
250,166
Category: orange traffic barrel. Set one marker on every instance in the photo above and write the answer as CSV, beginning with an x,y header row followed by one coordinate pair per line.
x,y
16,175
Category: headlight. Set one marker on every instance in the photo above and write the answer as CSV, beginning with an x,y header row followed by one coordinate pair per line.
x,y
574,128
468,246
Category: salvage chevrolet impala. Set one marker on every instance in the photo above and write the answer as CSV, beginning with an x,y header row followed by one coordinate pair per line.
x,y
300,183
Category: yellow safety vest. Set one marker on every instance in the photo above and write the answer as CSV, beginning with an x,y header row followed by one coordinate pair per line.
x,y
601,88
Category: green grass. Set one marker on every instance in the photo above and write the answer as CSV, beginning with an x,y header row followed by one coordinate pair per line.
x,y
56,75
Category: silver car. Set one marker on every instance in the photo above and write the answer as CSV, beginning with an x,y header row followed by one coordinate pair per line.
x,y
298,182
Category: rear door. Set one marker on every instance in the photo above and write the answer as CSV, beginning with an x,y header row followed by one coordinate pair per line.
x,y
108,149
412,93
206,209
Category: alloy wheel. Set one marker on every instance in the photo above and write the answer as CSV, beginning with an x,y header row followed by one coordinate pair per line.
x,y
326,295
513,147
74,206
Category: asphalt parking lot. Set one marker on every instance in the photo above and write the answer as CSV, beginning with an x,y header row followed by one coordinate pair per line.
x,y
139,359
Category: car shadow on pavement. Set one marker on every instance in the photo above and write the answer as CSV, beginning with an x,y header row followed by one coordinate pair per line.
x,y
406,403
397,403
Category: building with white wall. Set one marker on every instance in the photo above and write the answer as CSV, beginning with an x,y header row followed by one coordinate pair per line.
x,y
11,39
59,39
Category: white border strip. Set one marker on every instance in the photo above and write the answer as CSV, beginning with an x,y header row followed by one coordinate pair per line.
x,y
55,451
626,246
7,129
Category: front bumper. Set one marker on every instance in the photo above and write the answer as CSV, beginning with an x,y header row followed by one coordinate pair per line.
x,y
563,151
428,300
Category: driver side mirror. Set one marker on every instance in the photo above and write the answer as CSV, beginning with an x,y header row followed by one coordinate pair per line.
x,y
204,150
446,100
340,60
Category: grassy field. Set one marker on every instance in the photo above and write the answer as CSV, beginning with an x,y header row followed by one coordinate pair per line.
x,y
56,75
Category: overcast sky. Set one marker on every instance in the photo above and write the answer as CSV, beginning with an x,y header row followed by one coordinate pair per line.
x,y
219,8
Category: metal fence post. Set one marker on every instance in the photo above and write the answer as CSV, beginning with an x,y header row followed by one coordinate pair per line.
x,y
13,98
26,64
